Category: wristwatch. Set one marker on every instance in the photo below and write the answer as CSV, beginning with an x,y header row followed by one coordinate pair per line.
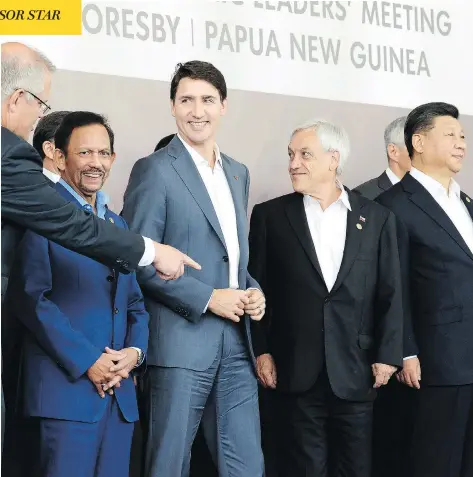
x,y
141,356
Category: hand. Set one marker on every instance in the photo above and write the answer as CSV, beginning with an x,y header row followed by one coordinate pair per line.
x,y
170,262
229,303
99,373
410,374
123,366
382,374
266,370
257,305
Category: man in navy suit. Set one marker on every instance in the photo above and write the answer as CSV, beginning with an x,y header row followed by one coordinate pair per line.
x,y
435,228
87,328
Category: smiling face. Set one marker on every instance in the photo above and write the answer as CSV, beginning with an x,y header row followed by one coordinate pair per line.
x,y
309,164
198,110
88,160
443,147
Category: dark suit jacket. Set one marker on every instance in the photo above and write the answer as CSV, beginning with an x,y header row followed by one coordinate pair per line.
x,y
356,324
437,268
72,307
374,187
29,201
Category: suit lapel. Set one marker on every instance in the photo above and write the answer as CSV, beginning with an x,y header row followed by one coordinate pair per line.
x,y
297,218
424,200
468,201
354,236
236,188
187,170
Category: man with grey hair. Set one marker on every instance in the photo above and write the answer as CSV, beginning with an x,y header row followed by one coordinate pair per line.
x,y
328,263
28,201
398,161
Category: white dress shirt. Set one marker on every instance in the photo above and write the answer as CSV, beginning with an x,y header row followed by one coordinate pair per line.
x,y
52,176
328,229
450,202
392,177
220,194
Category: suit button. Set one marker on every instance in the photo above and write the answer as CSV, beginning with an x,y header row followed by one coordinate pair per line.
x,y
326,299
126,264
110,278
115,310
225,258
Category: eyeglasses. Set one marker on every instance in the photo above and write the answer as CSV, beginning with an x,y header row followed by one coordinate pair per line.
x,y
44,108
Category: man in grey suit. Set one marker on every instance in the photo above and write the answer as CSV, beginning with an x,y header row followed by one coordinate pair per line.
x,y
398,161
200,357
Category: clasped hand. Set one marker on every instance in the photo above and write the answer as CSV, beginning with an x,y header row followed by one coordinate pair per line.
x,y
111,367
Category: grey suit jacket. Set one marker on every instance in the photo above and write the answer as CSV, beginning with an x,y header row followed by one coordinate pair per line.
x,y
166,200
374,187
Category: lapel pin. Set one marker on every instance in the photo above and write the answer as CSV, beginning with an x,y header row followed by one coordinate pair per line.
x,y
362,219
111,220
467,199
359,226
236,177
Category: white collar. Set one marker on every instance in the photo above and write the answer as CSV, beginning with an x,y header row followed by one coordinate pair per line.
x,y
344,199
392,177
197,157
52,176
434,186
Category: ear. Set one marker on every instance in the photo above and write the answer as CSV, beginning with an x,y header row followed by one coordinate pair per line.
x,y
173,107
223,108
60,160
393,152
48,149
14,98
334,160
112,158
418,143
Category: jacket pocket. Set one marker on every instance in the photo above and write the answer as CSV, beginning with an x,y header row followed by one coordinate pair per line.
x,y
365,341
445,316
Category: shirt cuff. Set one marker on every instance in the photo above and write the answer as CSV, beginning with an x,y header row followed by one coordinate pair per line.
x,y
410,357
208,303
149,255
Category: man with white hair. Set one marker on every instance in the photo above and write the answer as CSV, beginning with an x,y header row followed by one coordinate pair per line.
x,y
398,161
28,200
327,261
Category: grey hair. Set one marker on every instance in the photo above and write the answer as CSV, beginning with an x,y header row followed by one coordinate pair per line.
x,y
394,133
28,74
331,137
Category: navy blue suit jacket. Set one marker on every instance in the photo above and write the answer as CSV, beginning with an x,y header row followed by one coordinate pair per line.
x,y
73,307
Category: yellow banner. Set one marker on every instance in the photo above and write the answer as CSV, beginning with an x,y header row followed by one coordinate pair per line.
x,y
40,17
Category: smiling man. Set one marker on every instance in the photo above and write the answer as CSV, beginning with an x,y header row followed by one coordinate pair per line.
x,y
435,229
191,195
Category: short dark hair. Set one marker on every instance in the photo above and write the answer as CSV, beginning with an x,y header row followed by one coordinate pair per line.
x,y
163,142
421,119
79,119
46,129
199,70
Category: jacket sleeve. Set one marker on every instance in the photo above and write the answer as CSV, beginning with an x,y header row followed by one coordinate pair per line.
x,y
144,209
49,325
257,268
29,201
389,306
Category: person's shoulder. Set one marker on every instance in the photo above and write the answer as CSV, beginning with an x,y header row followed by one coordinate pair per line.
x,y
236,165
279,202
13,145
393,196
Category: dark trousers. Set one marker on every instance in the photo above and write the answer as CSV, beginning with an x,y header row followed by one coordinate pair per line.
x,y
443,434
322,435
394,415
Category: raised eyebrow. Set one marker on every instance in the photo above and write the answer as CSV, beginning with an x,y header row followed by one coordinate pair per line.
x,y
186,96
209,96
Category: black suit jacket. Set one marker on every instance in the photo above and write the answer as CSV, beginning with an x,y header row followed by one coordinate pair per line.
x,y
437,269
29,201
356,324
374,187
